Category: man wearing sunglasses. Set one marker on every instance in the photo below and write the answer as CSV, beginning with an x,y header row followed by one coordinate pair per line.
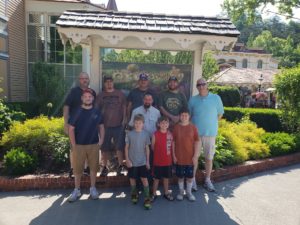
x,y
206,109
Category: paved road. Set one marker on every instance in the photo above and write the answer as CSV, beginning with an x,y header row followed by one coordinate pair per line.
x,y
271,197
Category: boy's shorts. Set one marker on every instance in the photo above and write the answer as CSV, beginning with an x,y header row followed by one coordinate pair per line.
x,y
82,152
138,172
208,144
185,171
117,134
162,172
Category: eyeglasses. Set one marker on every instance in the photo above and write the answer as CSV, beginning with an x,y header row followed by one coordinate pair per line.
x,y
201,84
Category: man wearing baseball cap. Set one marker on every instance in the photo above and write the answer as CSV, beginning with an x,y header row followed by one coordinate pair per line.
x,y
171,101
136,96
86,133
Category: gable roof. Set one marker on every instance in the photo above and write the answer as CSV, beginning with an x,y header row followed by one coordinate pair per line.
x,y
112,5
147,22
75,1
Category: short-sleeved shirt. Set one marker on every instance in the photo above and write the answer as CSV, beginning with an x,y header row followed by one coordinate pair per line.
x,y
162,152
136,97
137,142
112,105
73,99
151,116
172,102
184,138
86,123
204,113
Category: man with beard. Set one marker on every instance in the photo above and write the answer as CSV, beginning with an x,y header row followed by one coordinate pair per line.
x,y
171,101
150,114
135,97
72,102
112,104
86,133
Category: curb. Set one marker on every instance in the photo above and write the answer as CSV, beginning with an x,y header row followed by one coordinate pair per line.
x,y
40,182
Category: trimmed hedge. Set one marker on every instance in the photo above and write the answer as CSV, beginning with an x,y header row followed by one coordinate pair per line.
x,y
268,119
230,95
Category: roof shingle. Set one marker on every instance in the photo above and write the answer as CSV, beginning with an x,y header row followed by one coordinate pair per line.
x,y
147,22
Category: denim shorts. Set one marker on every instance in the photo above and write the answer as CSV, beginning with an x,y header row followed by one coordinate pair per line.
x,y
185,171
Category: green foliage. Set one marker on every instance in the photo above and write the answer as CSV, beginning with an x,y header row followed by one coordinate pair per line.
x,y
280,143
210,65
42,138
236,8
230,95
287,85
7,116
224,155
48,87
18,162
268,119
154,56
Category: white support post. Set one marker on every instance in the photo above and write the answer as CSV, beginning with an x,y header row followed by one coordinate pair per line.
x,y
197,73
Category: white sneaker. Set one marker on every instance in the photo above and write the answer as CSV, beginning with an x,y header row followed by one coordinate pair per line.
x,y
74,195
180,196
191,197
94,193
209,186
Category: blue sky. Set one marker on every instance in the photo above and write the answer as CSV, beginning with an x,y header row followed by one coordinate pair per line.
x,y
186,7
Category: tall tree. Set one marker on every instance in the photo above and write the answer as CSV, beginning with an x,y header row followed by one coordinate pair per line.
x,y
236,8
210,66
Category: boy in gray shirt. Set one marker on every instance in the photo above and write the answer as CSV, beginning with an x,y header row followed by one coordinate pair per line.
x,y
137,159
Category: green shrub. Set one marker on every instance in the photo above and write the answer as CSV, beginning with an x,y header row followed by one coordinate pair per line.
x,y
61,149
230,95
268,119
18,162
280,143
7,116
42,137
29,108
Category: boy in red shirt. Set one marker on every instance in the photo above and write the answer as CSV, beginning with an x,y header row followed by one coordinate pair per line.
x,y
162,157
185,153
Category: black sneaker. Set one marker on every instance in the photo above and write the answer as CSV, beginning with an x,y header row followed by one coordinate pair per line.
x,y
86,171
104,172
71,173
119,171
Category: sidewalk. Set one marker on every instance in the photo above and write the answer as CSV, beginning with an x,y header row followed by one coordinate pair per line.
x,y
271,197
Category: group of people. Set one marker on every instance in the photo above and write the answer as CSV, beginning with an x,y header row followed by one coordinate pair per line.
x,y
156,134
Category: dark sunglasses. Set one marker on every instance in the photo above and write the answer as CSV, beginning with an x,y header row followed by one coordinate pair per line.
x,y
203,84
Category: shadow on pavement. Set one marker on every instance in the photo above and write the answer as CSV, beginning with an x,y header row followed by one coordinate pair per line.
x,y
226,188
114,208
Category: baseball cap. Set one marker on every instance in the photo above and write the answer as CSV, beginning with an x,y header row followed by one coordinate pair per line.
x,y
106,78
172,78
143,76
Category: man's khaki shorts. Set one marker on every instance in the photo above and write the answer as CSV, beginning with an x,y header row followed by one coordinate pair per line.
x,y
208,146
82,152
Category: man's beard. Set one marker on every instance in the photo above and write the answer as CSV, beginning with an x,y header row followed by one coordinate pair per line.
x,y
87,105
147,106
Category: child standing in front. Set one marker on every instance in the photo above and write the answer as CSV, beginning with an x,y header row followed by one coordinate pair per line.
x,y
137,159
185,153
162,157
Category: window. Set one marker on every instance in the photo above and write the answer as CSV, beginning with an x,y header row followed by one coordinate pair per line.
x,y
245,63
259,64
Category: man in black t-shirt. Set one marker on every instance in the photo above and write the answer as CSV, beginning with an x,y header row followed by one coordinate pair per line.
x,y
86,133
72,102
136,96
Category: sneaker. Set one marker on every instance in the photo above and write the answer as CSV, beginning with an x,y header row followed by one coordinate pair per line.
x,y
86,171
191,197
74,195
147,203
134,198
94,193
71,173
209,186
104,172
180,196
119,171
153,198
